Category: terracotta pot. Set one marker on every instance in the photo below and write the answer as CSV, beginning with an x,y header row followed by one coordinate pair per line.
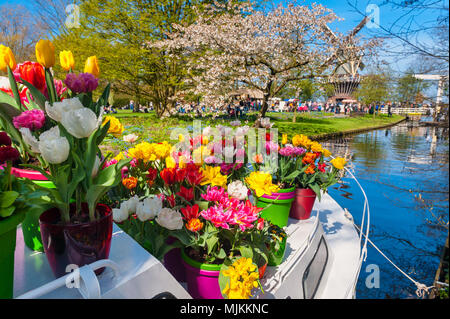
x,y
303,203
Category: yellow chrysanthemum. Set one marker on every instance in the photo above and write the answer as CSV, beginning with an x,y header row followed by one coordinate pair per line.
x,y
212,176
261,183
338,162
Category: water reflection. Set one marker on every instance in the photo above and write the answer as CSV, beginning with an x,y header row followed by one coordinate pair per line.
x,y
404,171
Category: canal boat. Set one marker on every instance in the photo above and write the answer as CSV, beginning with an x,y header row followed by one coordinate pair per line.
x,y
323,260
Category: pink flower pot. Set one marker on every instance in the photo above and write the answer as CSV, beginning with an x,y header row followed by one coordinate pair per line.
x,y
33,175
303,203
202,279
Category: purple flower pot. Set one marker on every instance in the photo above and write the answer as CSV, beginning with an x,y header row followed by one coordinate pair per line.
x,y
202,279
76,244
174,263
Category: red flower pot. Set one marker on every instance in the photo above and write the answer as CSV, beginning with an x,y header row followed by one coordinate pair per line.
x,y
76,244
303,203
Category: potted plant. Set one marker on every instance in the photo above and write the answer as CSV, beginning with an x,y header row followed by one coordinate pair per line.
x,y
77,230
216,237
17,197
316,174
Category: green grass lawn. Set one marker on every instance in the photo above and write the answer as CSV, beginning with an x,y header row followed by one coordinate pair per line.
x,y
153,129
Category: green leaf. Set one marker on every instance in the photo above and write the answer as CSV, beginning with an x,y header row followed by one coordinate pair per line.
x,y
8,198
211,243
246,252
38,97
6,212
14,89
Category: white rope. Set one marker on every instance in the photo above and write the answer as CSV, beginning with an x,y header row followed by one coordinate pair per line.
x,y
422,289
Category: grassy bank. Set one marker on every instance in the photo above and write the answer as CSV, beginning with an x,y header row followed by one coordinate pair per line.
x,y
316,124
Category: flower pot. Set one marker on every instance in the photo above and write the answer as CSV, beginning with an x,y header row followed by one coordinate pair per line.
x,y
30,225
174,263
275,258
75,244
302,206
277,206
8,230
203,279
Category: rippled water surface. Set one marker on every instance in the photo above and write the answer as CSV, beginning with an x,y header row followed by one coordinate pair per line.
x,y
404,171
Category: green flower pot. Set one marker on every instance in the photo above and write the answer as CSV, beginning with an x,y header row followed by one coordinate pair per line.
x,y
275,258
30,226
277,206
8,230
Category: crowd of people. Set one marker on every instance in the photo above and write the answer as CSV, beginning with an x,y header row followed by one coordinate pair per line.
x,y
238,107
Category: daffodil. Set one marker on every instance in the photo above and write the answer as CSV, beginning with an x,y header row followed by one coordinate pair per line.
x,y
261,183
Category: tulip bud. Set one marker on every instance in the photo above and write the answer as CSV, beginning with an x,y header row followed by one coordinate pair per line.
x,y
45,53
91,66
6,58
66,60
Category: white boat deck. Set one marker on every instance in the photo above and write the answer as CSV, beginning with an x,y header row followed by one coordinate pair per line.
x,y
139,271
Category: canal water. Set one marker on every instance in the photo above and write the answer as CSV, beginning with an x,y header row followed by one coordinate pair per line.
x,y
404,171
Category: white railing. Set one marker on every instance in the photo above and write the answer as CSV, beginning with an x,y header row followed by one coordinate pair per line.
x,y
405,110
363,232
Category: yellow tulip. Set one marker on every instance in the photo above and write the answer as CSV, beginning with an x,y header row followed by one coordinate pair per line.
x,y
284,139
45,53
6,58
338,162
66,60
91,66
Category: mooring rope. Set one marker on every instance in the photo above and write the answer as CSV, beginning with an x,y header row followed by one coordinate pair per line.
x,y
422,289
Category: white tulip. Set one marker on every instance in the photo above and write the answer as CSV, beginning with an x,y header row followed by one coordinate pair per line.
x,y
120,214
4,83
170,219
131,204
237,190
148,209
80,123
58,109
130,138
53,147
30,139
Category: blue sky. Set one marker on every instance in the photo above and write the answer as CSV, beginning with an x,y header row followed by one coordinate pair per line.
x,y
343,9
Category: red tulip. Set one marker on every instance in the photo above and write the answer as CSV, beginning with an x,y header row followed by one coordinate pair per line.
x,y
186,193
190,212
168,175
194,177
152,173
180,175
31,72
171,200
